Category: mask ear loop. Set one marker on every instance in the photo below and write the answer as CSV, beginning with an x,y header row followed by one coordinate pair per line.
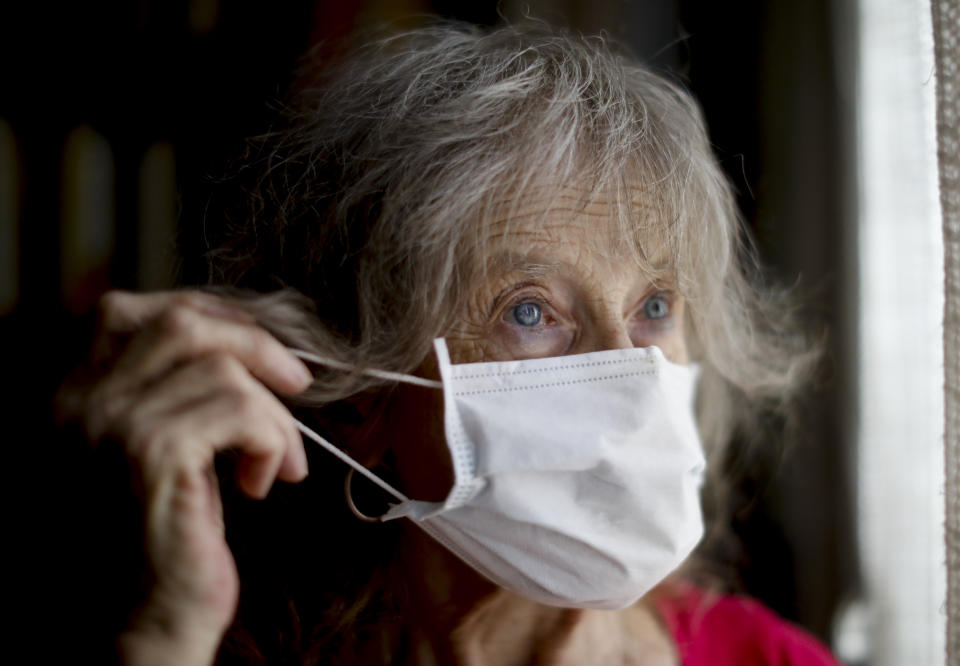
x,y
353,464
370,372
347,482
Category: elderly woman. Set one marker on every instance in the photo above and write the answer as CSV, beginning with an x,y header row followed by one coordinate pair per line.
x,y
503,281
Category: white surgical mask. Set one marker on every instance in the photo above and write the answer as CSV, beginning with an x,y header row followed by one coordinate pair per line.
x,y
576,478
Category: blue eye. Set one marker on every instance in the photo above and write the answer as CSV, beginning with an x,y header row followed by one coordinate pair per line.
x,y
656,307
527,314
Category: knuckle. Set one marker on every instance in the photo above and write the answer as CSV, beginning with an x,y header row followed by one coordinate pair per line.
x,y
244,403
111,307
156,447
261,342
146,439
191,300
284,431
110,300
287,426
224,368
257,420
274,443
101,414
180,321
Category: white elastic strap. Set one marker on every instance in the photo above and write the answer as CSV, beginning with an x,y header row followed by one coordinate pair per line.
x,y
350,461
372,372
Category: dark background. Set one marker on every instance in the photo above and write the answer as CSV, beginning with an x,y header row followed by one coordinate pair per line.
x,y
195,78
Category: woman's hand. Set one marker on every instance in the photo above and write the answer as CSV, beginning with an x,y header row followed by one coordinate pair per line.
x,y
191,375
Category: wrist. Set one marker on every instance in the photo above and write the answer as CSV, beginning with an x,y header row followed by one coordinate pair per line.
x,y
151,641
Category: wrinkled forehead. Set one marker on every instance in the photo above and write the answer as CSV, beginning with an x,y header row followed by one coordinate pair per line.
x,y
622,223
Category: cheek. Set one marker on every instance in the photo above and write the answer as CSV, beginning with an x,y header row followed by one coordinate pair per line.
x,y
674,343
468,346
413,423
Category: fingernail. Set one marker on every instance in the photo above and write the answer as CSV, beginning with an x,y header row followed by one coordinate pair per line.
x,y
300,374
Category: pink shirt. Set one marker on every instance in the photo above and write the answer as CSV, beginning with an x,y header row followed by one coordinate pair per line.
x,y
717,630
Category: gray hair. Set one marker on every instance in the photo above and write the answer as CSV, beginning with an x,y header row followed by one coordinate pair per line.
x,y
373,201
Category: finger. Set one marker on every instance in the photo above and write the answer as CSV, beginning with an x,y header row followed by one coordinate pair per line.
x,y
123,313
176,448
294,466
127,312
183,333
196,382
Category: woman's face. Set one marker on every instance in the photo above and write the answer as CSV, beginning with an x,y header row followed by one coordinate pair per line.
x,y
557,284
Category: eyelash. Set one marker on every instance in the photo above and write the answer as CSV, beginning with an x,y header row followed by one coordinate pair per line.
x,y
519,299
509,298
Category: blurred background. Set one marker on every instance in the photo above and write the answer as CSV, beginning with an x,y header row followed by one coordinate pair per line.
x,y
116,119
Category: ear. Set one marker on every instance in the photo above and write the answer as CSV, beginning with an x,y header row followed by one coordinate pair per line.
x,y
356,423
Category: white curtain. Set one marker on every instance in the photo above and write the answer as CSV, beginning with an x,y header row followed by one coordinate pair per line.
x,y
946,29
900,287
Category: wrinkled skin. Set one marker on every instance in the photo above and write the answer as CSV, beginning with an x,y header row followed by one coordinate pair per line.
x,y
590,296
190,376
